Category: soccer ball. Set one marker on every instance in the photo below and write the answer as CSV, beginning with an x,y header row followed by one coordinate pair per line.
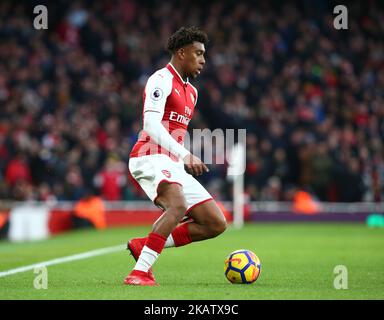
x,y
242,266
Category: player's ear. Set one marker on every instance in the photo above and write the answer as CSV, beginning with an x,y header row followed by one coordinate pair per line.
x,y
181,53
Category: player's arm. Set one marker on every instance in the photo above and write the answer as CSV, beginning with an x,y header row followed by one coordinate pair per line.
x,y
156,92
156,130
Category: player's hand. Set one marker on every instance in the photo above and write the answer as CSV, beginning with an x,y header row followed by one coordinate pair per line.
x,y
193,165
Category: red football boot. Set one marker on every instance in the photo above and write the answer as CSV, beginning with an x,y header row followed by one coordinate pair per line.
x,y
139,278
135,246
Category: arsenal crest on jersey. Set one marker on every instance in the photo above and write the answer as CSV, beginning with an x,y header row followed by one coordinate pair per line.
x,y
166,173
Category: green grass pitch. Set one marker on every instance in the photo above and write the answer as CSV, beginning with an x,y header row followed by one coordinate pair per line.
x,y
297,262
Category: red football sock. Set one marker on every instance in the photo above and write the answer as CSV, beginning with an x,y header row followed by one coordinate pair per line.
x,y
155,242
181,235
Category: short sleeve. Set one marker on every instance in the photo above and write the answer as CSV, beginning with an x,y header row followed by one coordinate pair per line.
x,y
157,89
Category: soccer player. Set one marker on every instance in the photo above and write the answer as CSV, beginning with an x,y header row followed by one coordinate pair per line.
x,y
163,167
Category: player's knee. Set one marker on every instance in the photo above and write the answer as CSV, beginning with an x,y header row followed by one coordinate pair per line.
x,y
179,207
174,204
218,227
177,210
222,226
173,213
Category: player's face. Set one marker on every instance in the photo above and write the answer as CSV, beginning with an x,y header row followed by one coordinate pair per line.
x,y
194,59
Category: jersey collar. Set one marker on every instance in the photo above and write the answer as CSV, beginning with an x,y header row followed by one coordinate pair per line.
x,y
173,70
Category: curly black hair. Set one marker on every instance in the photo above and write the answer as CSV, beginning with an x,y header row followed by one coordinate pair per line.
x,y
185,36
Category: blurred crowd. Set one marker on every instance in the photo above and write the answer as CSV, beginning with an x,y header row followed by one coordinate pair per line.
x,y
311,97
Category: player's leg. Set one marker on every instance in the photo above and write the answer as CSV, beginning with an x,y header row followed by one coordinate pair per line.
x,y
170,197
208,221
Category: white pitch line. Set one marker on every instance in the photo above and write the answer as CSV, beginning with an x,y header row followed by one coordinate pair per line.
x,y
74,257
